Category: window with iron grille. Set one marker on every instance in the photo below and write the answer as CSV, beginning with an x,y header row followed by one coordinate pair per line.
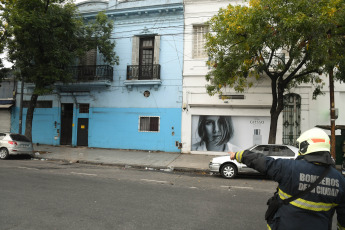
x,y
199,41
84,108
291,118
148,124
39,104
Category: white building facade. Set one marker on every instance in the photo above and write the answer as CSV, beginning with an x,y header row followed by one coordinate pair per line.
x,y
248,113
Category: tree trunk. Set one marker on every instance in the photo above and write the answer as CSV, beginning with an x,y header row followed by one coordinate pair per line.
x,y
275,112
30,116
276,108
273,127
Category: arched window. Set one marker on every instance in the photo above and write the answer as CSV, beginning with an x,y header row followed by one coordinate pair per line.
x,y
291,118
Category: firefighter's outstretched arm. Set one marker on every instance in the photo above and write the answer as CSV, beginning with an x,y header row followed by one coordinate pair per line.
x,y
256,161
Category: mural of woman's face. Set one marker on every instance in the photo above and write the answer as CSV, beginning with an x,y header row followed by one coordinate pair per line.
x,y
212,128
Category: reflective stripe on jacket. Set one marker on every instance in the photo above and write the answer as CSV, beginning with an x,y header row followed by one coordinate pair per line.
x,y
312,211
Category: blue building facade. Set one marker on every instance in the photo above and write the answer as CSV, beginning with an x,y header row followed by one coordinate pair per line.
x,y
134,105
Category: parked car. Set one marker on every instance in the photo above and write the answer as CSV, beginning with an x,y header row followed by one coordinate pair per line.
x,y
14,144
230,168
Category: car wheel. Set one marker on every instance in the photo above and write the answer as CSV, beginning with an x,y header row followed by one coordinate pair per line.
x,y
4,153
228,171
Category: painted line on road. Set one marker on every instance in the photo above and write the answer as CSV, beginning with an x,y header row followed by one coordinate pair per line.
x,y
28,168
85,174
193,187
156,181
229,187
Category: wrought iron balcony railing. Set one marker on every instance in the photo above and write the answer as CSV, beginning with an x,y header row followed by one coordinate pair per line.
x,y
143,72
91,73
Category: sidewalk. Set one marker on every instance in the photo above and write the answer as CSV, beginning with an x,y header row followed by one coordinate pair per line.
x,y
125,158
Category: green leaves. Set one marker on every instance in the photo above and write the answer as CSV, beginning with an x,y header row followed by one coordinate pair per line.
x,y
98,33
282,39
290,42
47,36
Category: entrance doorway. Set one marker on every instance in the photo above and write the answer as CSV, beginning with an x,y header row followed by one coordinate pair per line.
x,y
66,123
83,132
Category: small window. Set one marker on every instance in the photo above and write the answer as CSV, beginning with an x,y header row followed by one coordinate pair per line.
x,y
84,108
148,124
199,41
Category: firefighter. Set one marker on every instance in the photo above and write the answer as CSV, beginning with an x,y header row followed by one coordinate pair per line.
x,y
314,210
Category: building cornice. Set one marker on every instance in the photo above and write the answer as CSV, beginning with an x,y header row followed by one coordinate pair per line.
x,y
139,11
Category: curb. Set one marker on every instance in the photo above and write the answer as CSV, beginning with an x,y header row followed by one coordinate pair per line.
x,y
144,167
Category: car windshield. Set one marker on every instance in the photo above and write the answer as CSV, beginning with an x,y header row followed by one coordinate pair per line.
x,y
18,137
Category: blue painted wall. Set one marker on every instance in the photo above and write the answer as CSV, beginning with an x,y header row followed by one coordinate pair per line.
x,y
43,125
118,128
115,110
112,128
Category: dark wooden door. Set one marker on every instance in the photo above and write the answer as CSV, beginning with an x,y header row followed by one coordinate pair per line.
x,y
146,58
66,124
83,132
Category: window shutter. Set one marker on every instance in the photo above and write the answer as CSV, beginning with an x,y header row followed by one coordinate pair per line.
x,y
89,58
157,48
135,50
199,41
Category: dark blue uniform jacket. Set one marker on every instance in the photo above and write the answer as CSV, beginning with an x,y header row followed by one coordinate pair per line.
x,y
314,210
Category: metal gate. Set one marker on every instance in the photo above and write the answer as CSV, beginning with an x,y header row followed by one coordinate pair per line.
x,y
291,118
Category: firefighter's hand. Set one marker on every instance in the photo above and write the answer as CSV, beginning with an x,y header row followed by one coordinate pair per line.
x,y
232,155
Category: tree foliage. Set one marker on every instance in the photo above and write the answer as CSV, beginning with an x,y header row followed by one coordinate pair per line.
x,y
289,42
3,38
46,36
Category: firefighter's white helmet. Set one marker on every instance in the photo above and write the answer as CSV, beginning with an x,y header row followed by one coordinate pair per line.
x,y
313,140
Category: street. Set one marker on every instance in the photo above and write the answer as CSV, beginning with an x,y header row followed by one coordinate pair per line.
x,y
55,195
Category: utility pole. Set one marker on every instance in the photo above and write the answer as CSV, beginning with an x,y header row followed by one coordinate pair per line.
x,y
332,110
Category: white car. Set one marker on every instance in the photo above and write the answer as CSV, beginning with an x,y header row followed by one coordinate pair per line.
x,y
230,168
14,144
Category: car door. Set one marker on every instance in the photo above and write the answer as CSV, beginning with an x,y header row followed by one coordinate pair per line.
x,y
264,149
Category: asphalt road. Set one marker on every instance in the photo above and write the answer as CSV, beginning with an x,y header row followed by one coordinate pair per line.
x,y
51,195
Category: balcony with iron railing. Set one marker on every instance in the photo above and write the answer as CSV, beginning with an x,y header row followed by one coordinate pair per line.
x,y
143,72
87,73
143,75
87,77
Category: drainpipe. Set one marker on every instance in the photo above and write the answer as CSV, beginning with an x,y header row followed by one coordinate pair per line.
x,y
21,107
